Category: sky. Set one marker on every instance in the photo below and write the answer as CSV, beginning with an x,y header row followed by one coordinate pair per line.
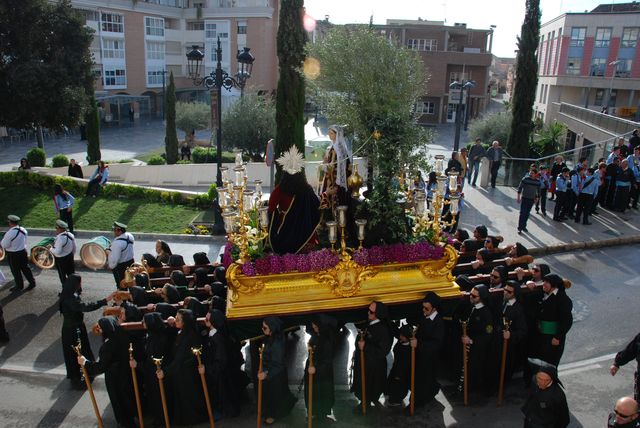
x,y
506,15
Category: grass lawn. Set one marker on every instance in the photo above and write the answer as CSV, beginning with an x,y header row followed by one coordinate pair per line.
x,y
36,209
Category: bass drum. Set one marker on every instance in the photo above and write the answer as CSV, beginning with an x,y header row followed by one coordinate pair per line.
x,y
94,252
2,253
41,256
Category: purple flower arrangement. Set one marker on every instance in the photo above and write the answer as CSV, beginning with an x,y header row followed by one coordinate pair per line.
x,y
325,259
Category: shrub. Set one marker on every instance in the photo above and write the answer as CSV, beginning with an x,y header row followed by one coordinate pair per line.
x,y
203,155
156,160
37,157
184,162
212,193
60,160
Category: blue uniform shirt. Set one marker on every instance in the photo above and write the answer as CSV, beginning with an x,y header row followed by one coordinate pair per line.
x,y
590,185
561,183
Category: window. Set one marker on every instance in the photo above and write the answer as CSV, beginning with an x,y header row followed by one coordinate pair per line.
x,y
599,97
422,44
425,107
456,76
195,25
154,26
629,37
598,66
115,77
89,15
623,68
112,48
154,77
242,27
573,65
155,50
211,32
577,36
603,37
540,93
112,23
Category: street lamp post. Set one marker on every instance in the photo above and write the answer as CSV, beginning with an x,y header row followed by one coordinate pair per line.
x,y
613,74
219,79
461,86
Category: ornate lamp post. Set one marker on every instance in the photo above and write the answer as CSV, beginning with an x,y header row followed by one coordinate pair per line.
x,y
461,86
219,79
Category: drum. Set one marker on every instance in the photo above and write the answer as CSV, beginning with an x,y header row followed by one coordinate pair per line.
x,y
2,253
40,254
94,252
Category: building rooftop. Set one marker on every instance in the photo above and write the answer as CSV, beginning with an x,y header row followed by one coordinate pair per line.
x,y
617,8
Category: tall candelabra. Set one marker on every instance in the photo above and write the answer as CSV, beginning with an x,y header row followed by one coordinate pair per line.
x,y
432,219
246,219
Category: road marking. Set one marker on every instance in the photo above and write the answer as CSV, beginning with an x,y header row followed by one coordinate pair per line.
x,y
587,362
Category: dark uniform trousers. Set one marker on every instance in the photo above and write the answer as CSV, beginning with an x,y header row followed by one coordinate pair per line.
x,y
119,270
65,266
18,263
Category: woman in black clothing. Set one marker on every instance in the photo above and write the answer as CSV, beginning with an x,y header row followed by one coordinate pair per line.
x,y
322,341
186,398
73,329
277,399
157,345
114,363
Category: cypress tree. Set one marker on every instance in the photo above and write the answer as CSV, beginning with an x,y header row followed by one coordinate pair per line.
x,y
525,85
290,94
92,123
171,137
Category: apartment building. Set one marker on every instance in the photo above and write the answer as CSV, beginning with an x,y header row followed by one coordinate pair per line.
x,y
138,43
450,53
590,60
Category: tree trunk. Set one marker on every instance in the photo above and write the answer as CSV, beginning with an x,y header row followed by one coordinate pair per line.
x,y
40,137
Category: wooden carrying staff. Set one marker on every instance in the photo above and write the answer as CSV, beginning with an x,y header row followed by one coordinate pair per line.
x,y
412,399
363,381
163,398
135,387
505,343
310,406
205,389
465,367
78,349
259,418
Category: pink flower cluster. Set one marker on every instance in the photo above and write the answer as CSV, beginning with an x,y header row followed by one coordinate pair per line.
x,y
398,253
324,259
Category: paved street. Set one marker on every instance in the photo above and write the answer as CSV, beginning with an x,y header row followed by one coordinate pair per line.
x,y
605,312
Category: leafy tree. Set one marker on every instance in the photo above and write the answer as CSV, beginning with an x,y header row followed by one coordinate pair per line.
x,y
549,140
526,82
192,116
45,64
92,123
171,138
290,100
248,124
491,127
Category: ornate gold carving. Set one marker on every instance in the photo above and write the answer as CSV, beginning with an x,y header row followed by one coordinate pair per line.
x,y
345,280
241,284
451,257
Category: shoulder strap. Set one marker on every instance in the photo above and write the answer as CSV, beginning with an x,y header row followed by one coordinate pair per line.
x,y
589,181
19,231
125,239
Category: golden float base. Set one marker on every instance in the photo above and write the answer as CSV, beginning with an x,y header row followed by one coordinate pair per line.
x,y
346,286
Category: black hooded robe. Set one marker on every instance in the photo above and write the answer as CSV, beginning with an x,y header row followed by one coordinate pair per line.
x,y
157,345
378,339
277,399
323,383
430,336
546,408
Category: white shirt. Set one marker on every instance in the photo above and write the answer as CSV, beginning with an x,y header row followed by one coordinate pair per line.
x,y
15,239
433,315
212,332
121,250
478,305
64,245
376,321
546,296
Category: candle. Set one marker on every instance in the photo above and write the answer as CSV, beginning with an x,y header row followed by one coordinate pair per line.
x,y
239,159
258,184
222,198
229,220
238,194
439,167
332,226
420,200
453,204
361,224
225,174
248,200
453,181
239,175
264,216
342,215
442,183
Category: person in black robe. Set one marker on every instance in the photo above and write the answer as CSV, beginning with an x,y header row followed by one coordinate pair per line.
x,y
630,352
225,379
375,340
277,399
546,407
611,173
512,327
184,388
73,329
201,278
114,363
322,332
554,319
294,214
479,339
399,379
625,180
429,339
157,345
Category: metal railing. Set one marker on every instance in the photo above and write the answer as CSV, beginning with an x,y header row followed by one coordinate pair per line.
x,y
613,124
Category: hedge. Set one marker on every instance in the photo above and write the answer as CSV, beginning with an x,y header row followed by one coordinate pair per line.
x,y
59,160
36,157
156,160
209,155
14,179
